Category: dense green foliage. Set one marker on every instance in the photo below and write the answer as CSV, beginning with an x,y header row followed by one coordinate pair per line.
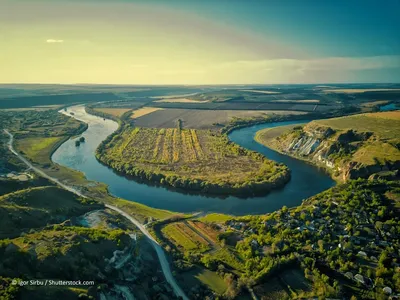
x,y
348,230
37,207
60,252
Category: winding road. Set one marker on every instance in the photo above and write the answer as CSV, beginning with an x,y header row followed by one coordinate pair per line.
x,y
160,252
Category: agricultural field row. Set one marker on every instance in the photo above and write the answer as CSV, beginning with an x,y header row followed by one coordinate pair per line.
x,y
206,230
201,159
199,118
183,237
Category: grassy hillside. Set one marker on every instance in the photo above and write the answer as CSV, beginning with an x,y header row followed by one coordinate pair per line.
x,y
37,207
198,160
351,147
54,252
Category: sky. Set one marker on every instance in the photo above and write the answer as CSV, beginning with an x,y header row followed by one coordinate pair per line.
x,y
199,42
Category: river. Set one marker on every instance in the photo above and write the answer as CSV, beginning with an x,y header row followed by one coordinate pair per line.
x,y
306,180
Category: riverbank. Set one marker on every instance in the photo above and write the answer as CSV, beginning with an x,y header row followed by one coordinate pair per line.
x,y
83,160
268,138
349,147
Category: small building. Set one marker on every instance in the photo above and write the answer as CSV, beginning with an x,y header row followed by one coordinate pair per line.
x,y
362,253
359,278
387,290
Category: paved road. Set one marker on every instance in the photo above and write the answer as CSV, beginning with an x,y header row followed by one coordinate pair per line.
x,y
160,252
40,172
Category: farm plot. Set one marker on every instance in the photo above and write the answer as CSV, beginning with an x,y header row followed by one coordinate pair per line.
x,y
206,230
143,111
199,119
183,237
199,160
116,112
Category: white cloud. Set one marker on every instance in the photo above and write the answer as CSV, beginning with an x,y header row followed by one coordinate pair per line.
x,y
51,41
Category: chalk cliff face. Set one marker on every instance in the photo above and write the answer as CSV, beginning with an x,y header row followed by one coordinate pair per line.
x,y
334,150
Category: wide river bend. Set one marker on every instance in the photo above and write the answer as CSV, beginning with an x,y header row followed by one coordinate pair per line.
x,y
306,180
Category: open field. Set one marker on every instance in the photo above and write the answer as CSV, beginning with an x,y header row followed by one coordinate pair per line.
x,y
116,112
390,115
215,218
200,119
355,91
143,111
180,100
261,92
197,159
184,237
65,99
201,275
266,135
386,125
37,108
299,101
377,152
268,105
38,149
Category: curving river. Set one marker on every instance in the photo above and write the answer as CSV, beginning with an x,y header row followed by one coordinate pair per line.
x,y
306,180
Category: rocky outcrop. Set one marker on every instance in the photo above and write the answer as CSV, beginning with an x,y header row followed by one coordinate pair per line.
x,y
333,150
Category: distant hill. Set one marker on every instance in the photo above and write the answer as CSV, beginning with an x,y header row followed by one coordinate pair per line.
x,y
30,101
37,207
351,147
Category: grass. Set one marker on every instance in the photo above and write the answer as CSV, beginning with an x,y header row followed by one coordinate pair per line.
x,y
143,111
37,133
116,112
224,255
212,280
184,237
354,91
198,158
356,146
180,100
39,206
215,218
37,149
140,211
265,136
376,152
389,115
259,91
200,275
60,252
202,118
381,148
386,125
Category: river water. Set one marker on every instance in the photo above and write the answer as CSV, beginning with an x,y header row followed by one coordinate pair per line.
x,y
306,180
